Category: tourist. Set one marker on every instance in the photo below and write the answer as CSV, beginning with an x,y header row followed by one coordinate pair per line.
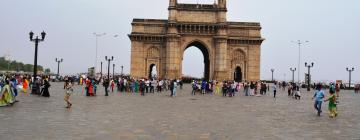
x,y
106,86
218,88
297,94
203,87
224,89
94,85
274,90
233,88
25,84
252,87
143,87
45,91
90,87
153,83
332,104
319,96
112,85
13,86
174,88
7,98
194,88
337,88
68,91
246,89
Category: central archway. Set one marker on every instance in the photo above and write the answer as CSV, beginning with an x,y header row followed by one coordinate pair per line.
x,y
206,56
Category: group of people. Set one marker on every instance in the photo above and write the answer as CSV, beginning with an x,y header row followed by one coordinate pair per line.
x,y
127,84
320,97
11,84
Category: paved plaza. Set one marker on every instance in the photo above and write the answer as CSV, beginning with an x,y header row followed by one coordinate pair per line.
x,y
159,117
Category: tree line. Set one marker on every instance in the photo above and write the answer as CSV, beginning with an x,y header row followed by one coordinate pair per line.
x,y
6,65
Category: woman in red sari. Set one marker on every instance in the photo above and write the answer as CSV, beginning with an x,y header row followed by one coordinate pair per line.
x,y
90,87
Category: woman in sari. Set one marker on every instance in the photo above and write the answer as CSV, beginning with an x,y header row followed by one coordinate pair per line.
x,y
6,98
25,85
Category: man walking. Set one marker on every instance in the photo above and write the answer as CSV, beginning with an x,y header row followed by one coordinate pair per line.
x,y
319,96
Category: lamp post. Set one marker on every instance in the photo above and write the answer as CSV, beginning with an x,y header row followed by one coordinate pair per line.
x,y
36,40
58,68
299,43
272,74
101,74
309,77
122,68
350,70
108,76
293,71
96,50
113,71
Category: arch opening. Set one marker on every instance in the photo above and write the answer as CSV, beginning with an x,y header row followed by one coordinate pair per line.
x,y
238,74
152,72
206,59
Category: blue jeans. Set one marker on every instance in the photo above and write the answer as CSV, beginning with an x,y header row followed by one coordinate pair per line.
x,y
174,92
317,106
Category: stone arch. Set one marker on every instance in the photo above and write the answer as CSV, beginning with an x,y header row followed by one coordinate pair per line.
x,y
239,63
203,47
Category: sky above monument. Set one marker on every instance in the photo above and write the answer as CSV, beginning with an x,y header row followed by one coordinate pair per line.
x,y
330,26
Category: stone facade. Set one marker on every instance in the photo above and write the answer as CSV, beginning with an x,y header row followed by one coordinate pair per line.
x,y
231,49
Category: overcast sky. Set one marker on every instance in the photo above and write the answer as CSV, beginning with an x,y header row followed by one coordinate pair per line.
x,y
331,26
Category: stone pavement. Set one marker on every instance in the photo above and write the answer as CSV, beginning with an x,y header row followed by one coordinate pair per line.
x,y
159,117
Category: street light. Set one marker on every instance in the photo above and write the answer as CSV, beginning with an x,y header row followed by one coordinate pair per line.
x,y
122,67
58,69
299,43
113,71
309,76
293,71
350,70
272,74
35,88
101,73
108,59
96,51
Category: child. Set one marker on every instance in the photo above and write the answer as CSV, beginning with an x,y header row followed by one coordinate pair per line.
x,y
332,104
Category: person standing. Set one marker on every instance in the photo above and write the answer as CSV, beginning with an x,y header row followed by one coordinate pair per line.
x,y
332,105
143,87
319,96
246,89
112,84
25,85
106,86
174,88
274,90
203,87
6,98
68,91
224,89
46,85
194,87
94,85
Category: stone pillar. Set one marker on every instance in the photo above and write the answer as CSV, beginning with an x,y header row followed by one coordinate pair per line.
x,y
173,61
221,69
137,59
253,73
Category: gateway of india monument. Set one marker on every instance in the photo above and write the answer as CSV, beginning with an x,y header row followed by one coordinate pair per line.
x,y
231,49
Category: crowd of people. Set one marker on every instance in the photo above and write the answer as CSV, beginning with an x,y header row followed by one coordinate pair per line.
x,y
12,84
